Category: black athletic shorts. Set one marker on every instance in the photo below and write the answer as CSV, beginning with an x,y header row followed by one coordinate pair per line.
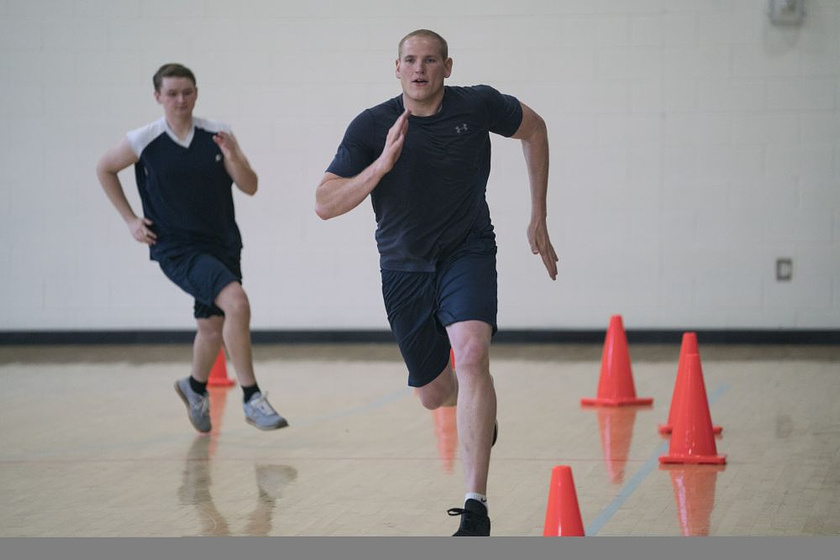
x,y
203,276
421,304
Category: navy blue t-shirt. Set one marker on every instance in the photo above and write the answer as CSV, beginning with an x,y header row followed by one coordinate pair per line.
x,y
185,190
435,194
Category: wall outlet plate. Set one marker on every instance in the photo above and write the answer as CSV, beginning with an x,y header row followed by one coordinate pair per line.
x,y
784,270
787,12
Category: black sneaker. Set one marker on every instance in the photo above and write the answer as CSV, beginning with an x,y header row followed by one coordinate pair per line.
x,y
474,520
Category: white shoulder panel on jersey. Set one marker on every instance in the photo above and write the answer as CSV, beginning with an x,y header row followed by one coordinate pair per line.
x,y
210,126
141,137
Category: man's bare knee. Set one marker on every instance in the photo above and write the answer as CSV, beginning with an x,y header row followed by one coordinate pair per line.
x,y
234,302
473,353
210,330
440,392
432,400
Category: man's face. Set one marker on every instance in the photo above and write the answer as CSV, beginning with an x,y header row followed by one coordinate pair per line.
x,y
422,69
178,96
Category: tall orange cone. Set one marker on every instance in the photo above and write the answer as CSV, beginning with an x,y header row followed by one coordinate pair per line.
x,y
562,517
615,386
693,439
689,346
218,373
694,494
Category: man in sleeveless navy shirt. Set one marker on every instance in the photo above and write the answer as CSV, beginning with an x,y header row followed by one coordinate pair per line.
x,y
185,167
424,159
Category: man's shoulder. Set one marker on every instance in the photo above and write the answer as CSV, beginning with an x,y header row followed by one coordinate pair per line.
x,y
156,127
387,108
477,91
210,125
142,136
383,114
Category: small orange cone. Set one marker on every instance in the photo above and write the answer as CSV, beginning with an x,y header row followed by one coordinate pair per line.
x,y
562,517
218,374
615,386
689,346
693,439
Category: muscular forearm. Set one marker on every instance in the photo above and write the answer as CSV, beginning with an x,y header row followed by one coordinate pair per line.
x,y
535,149
338,195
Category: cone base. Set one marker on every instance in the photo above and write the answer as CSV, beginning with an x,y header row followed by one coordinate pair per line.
x,y
616,401
666,429
694,459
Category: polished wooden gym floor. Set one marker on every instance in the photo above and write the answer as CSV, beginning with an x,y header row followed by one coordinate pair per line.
x,y
95,443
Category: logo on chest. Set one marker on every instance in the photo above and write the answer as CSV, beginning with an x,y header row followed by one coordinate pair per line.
x,y
461,128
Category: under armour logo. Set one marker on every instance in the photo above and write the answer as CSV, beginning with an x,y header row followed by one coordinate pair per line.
x,y
461,128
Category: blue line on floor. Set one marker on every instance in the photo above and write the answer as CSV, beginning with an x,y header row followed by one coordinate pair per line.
x,y
634,483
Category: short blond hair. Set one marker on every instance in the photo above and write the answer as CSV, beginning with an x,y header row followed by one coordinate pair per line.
x,y
444,48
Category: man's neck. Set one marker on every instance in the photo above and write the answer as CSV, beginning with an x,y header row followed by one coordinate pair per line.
x,y
180,127
426,109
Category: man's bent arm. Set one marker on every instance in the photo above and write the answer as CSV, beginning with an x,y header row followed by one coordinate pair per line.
x,y
534,136
338,195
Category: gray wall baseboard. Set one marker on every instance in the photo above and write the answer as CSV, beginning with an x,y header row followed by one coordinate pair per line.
x,y
642,336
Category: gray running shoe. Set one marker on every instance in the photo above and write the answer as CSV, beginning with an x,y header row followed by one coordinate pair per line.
x,y
198,406
260,414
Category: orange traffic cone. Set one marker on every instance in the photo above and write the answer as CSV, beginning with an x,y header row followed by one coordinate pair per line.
x,y
615,386
689,346
616,427
692,439
218,374
562,518
694,493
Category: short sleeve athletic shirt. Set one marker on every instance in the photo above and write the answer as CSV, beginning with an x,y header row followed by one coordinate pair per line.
x,y
435,194
185,190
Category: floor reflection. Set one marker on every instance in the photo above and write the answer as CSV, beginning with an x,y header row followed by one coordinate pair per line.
x,y
446,430
694,494
218,400
271,479
197,481
195,488
616,427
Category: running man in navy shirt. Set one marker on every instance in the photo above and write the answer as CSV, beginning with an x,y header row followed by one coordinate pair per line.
x,y
424,159
185,167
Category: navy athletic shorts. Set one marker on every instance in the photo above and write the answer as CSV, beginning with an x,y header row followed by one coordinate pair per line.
x,y
202,276
421,304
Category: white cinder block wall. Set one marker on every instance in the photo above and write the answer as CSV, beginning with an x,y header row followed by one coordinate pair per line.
x,y
692,144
